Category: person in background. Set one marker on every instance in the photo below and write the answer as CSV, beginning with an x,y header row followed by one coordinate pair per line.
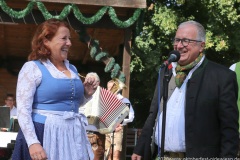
x,y
49,93
202,114
10,102
236,68
116,86
96,139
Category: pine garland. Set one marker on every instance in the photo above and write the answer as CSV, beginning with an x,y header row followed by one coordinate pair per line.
x,y
115,70
90,20
120,23
16,14
95,50
111,66
99,55
66,11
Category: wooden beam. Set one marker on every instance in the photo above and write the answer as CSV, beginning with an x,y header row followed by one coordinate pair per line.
x,y
3,42
127,60
113,3
126,71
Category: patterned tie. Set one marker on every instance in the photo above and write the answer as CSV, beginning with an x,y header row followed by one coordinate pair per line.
x,y
182,71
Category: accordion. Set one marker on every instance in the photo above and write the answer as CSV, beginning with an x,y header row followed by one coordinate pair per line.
x,y
105,111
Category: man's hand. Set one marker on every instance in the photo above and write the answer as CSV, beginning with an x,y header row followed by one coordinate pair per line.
x,y
118,128
37,152
4,129
136,157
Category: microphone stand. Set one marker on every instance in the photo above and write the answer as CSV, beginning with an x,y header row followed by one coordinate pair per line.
x,y
166,79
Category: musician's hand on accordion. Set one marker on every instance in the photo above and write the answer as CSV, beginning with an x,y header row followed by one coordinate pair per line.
x,y
90,85
118,128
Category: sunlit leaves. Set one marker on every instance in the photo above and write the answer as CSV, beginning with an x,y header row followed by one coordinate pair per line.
x,y
165,19
220,19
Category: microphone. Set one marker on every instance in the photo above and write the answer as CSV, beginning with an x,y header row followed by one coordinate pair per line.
x,y
174,56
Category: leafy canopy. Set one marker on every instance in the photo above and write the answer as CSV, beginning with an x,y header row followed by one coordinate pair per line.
x,y
152,45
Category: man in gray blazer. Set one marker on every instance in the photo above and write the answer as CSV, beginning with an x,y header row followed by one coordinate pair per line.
x,y
202,114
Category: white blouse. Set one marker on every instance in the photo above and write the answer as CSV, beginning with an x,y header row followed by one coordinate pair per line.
x,y
29,79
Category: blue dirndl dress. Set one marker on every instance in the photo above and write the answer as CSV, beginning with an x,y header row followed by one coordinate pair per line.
x,y
21,150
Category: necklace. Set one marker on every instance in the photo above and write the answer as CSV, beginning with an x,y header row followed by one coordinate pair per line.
x,y
64,71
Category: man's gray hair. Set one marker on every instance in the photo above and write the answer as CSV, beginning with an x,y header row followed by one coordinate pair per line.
x,y
93,74
200,29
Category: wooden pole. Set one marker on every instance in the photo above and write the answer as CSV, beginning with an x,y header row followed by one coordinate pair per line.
x,y
126,61
126,71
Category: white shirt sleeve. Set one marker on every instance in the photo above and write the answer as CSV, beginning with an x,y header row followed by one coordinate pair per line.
x,y
131,112
232,67
13,112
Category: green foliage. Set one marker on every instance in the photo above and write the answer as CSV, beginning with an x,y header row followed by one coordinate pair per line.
x,y
151,47
66,11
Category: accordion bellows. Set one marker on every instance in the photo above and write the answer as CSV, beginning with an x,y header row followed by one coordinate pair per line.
x,y
105,111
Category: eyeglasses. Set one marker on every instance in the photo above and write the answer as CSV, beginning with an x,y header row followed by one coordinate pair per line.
x,y
185,41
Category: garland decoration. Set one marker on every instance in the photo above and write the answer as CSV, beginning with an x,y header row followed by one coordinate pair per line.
x,y
66,11
99,55
110,65
122,77
94,48
121,24
115,70
17,14
95,51
90,20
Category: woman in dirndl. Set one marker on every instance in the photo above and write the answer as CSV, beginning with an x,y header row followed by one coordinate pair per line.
x,y
49,93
